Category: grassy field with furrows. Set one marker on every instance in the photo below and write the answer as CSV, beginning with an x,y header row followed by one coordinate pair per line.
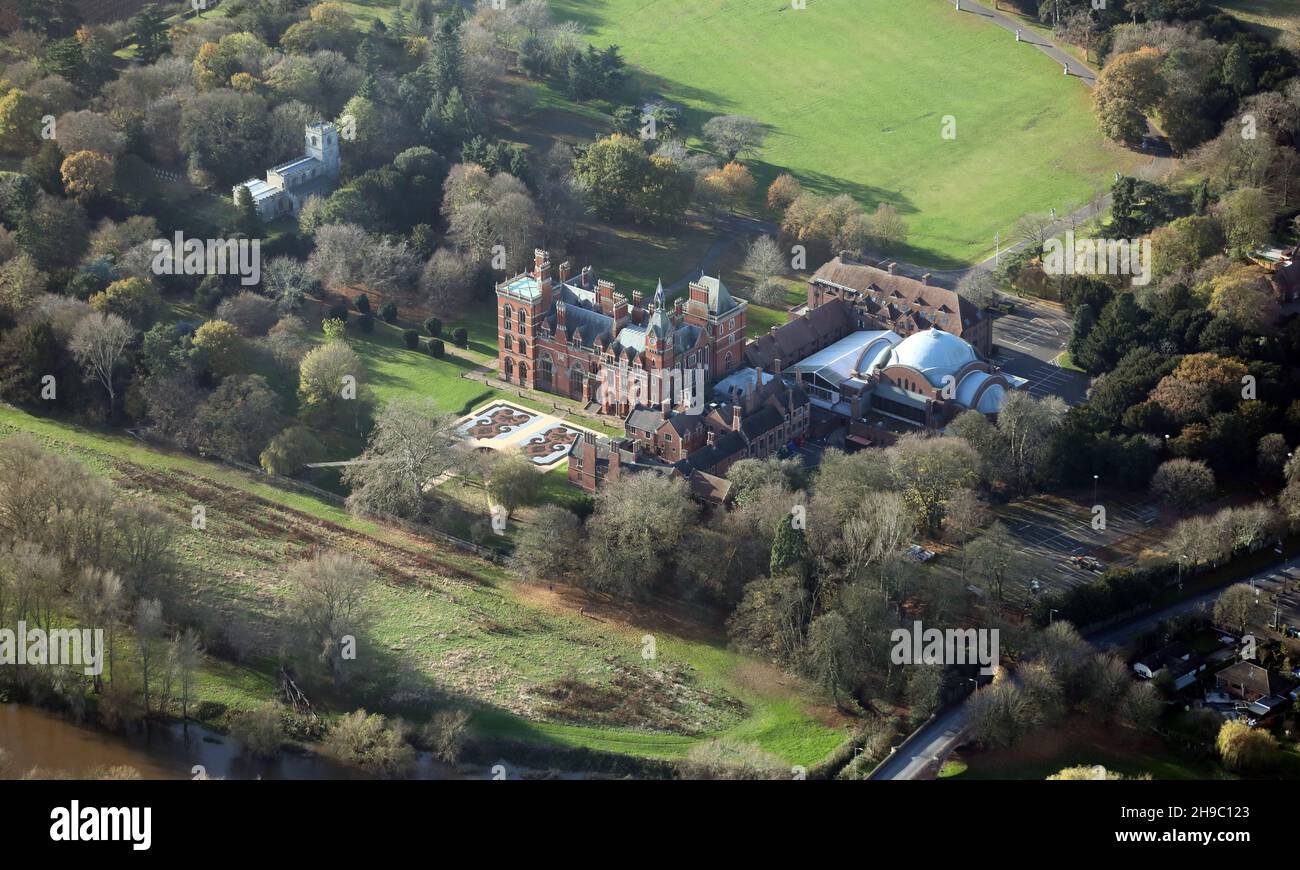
x,y
449,628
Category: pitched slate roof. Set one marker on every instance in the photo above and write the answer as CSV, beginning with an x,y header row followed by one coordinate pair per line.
x,y
801,337
898,296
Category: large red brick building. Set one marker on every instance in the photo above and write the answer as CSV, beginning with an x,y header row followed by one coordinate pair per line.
x,y
576,336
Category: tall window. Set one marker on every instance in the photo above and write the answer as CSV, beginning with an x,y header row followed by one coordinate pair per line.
x,y
505,317
523,320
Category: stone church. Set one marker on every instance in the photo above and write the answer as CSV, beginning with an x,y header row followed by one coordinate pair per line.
x,y
288,186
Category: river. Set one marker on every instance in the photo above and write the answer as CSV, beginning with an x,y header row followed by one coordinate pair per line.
x,y
33,737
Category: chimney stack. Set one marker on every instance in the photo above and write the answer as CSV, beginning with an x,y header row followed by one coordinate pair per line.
x,y
735,418
566,271
892,268
776,366
925,279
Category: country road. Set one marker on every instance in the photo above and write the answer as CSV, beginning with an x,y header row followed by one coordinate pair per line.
x,y
926,748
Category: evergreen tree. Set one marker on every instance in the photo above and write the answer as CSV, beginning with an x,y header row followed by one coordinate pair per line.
x,y
790,552
249,222
150,33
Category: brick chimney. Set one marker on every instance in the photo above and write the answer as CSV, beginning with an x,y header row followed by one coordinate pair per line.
x,y
566,271
710,438
925,279
776,366
892,268
735,418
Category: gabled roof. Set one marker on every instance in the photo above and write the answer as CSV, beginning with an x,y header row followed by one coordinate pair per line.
x,y
800,337
1255,679
930,304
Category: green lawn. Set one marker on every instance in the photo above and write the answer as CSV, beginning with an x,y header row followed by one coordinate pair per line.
x,y
394,371
448,625
855,93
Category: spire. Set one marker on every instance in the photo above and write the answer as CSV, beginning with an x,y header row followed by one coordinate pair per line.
x,y
660,295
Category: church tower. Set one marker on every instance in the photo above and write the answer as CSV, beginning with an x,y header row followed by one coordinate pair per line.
x,y
323,143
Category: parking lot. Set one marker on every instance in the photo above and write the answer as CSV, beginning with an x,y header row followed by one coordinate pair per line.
x,y
1049,530
1027,343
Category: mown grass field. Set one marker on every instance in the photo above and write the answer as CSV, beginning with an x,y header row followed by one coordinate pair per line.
x,y
449,627
855,93
1270,16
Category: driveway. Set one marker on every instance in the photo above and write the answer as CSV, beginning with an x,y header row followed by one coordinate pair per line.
x,y
1027,343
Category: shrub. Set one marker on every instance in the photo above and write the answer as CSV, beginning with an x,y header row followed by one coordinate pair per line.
x,y
290,450
372,743
460,336
436,349
388,311
433,326
338,312
260,730
366,323
362,303
411,338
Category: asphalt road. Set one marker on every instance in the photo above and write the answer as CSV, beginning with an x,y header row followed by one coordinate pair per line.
x,y
933,742
1027,342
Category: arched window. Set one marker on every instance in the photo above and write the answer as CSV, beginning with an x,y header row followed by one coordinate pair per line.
x,y
523,320
523,373
523,345
726,362
545,369
509,344
505,317
576,377
510,369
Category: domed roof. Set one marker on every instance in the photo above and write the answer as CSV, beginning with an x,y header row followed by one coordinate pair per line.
x,y
991,401
934,353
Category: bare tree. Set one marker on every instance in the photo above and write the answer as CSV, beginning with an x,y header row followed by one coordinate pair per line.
x,y
1236,606
734,135
148,626
412,444
188,654
966,514
99,344
327,601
